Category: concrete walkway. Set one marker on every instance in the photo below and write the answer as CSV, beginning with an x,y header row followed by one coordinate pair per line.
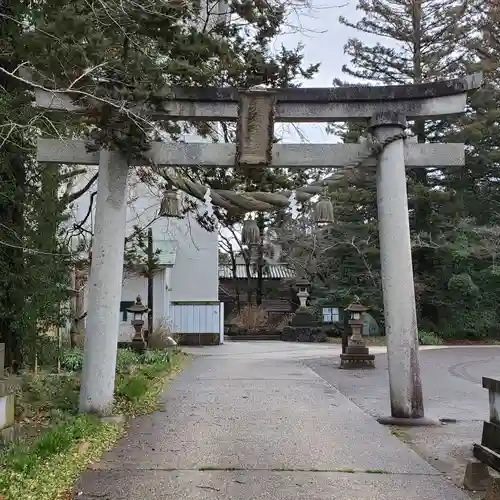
x,y
254,422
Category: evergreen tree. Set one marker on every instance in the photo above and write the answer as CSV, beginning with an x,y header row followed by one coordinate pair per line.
x,y
120,55
421,41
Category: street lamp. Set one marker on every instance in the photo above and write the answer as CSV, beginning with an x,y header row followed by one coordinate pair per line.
x,y
138,309
357,355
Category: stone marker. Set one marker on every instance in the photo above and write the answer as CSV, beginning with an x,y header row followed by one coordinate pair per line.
x,y
477,476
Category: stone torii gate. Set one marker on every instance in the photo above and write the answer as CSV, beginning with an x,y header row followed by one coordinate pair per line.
x,y
388,108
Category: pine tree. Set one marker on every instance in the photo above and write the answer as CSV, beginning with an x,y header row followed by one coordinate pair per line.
x,y
420,41
124,55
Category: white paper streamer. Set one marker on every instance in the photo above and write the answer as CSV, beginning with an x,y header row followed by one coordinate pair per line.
x,y
293,205
208,203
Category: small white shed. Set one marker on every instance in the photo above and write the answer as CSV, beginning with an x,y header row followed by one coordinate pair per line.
x,y
185,288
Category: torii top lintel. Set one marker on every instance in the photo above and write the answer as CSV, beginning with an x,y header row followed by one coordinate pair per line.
x,y
426,100
347,94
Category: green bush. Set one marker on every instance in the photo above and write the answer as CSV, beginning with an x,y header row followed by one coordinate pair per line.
x,y
132,389
154,370
156,356
72,360
47,393
429,338
44,349
126,359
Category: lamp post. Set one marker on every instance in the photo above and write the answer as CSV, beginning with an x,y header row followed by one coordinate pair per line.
x,y
357,355
138,310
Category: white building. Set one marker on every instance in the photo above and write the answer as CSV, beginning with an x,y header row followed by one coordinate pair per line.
x,y
185,287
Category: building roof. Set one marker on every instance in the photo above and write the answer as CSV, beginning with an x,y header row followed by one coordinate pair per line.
x,y
270,271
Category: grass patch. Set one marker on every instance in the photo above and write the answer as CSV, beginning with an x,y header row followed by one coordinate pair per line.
x,y
138,394
45,466
377,471
429,338
48,467
401,435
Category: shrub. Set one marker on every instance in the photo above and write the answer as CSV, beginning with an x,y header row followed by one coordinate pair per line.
x,y
156,356
72,360
126,359
47,394
158,338
132,389
429,338
251,318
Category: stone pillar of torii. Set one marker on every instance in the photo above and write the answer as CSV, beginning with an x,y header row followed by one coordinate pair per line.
x,y
388,108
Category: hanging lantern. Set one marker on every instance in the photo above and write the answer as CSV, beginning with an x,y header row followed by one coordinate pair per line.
x,y
250,234
169,206
324,211
208,202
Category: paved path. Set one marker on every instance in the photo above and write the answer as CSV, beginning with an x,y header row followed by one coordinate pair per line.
x,y
452,385
252,421
451,379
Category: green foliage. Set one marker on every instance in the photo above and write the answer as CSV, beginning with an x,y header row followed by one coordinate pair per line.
x,y
151,357
463,284
126,359
57,440
132,389
46,395
429,338
72,360
47,467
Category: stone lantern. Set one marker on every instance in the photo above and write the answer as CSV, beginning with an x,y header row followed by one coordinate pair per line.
x,y
357,355
138,310
303,286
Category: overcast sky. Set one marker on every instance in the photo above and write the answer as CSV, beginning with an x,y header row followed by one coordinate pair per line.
x,y
324,39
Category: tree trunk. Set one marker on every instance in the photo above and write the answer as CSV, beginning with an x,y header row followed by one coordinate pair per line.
x,y
151,270
260,260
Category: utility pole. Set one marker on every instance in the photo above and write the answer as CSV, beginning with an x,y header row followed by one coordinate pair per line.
x,y
150,271
260,259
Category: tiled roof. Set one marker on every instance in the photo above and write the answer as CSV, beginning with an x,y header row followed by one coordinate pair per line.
x,y
270,271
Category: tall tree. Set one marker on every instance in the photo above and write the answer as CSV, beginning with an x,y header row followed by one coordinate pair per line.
x,y
419,41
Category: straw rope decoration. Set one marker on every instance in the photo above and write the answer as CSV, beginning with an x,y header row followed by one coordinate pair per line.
x,y
262,201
